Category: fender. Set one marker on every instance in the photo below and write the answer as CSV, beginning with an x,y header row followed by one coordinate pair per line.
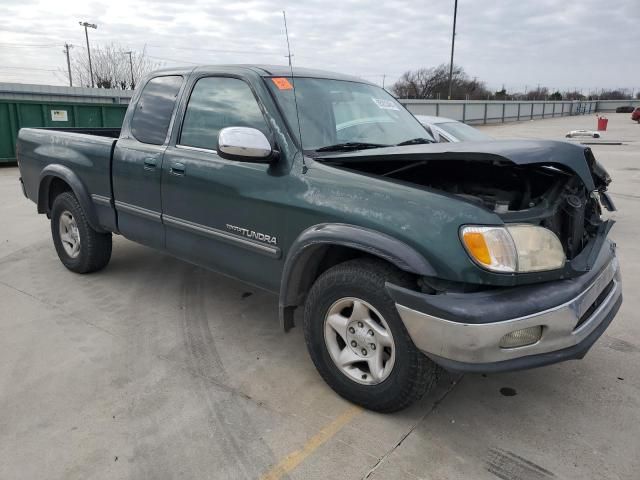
x,y
79,190
302,259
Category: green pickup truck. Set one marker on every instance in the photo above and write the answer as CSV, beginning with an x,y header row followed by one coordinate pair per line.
x,y
405,255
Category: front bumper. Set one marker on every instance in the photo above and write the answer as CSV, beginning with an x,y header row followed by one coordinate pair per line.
x,y
463,331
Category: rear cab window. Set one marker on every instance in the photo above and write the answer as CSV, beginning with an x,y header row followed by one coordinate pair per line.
x,y
152,115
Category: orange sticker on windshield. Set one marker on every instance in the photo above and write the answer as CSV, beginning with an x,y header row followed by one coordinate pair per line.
x,y
282,83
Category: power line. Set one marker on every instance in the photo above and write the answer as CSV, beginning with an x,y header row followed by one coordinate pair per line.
x,y
31,45
27,68
216,50
173,60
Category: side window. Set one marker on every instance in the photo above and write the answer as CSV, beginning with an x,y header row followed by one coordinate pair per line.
x,y
217,103
153,111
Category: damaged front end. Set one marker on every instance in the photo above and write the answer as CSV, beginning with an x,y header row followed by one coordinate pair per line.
x,y
549,284
555,185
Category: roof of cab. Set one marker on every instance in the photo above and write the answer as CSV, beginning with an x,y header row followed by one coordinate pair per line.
x,y
285,71
265,71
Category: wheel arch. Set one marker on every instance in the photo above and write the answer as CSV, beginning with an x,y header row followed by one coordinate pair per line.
x,y
322,246
49,182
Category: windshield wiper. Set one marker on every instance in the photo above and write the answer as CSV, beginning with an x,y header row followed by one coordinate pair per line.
x,y
415,141
349,146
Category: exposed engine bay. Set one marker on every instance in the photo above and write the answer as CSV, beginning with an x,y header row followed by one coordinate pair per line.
x,y
543,195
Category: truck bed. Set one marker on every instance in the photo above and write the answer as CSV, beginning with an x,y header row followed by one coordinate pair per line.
x,y
87,155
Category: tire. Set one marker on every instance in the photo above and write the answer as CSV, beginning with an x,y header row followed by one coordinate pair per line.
x,y
93,249
409,373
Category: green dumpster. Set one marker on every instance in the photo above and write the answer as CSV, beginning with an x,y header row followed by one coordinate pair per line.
x,y
16,114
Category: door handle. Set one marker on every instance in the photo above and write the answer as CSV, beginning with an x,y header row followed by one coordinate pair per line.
x,y
150,163
177,168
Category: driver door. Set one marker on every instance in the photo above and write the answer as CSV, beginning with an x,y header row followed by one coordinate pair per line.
x,y
224,214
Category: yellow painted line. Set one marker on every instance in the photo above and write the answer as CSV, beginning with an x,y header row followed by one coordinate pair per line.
x,y
296,457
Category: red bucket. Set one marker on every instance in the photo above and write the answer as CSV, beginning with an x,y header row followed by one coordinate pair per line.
x,y
602,124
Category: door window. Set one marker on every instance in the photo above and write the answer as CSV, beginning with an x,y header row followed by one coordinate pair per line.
x,y
217,103
153,111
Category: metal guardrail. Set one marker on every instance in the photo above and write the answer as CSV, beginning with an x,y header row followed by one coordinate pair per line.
x,y
492,111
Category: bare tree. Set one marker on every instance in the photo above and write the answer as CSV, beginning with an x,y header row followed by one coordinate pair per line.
x,y
540,93
111,67
434,83
614,95
574,95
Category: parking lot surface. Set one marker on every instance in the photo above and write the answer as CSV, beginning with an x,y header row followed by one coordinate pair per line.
x,y
154,369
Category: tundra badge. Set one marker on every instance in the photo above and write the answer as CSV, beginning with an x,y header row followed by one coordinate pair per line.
x,y
245,232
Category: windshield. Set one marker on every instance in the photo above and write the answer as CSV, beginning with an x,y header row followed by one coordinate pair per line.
x,y
463,132
338,112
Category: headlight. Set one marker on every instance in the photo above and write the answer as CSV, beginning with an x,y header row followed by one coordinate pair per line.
x,y
514,248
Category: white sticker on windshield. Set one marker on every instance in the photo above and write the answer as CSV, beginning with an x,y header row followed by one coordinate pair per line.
x,y
385,104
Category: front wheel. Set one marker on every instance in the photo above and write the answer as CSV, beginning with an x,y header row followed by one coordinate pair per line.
x,y
357,340
80,248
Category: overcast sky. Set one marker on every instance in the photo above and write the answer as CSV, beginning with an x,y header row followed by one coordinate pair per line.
x,y
562,44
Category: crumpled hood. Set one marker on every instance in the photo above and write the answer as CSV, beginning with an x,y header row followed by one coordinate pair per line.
x,y
566,156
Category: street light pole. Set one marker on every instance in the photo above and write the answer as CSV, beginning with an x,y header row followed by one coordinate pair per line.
x,y
453,43
86,34
131,66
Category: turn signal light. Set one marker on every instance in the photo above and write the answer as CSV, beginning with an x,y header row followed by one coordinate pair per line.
x,y
477,247
490,247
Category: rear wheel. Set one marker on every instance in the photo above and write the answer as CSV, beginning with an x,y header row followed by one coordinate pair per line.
x,y
357,340
80,248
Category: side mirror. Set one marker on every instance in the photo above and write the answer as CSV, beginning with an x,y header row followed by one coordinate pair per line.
x,y
244,143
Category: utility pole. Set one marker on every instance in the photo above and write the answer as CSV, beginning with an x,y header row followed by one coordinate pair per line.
x,y
66,51
384,76
453,43
86,35
131,66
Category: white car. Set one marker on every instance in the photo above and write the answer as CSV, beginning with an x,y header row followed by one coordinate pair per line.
x,y
582,133
448,130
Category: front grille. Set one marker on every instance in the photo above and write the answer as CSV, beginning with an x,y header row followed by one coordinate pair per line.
x,y
597,302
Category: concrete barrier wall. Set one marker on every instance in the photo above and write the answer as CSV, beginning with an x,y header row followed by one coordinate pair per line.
x,y
611,105
486,111
483,111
